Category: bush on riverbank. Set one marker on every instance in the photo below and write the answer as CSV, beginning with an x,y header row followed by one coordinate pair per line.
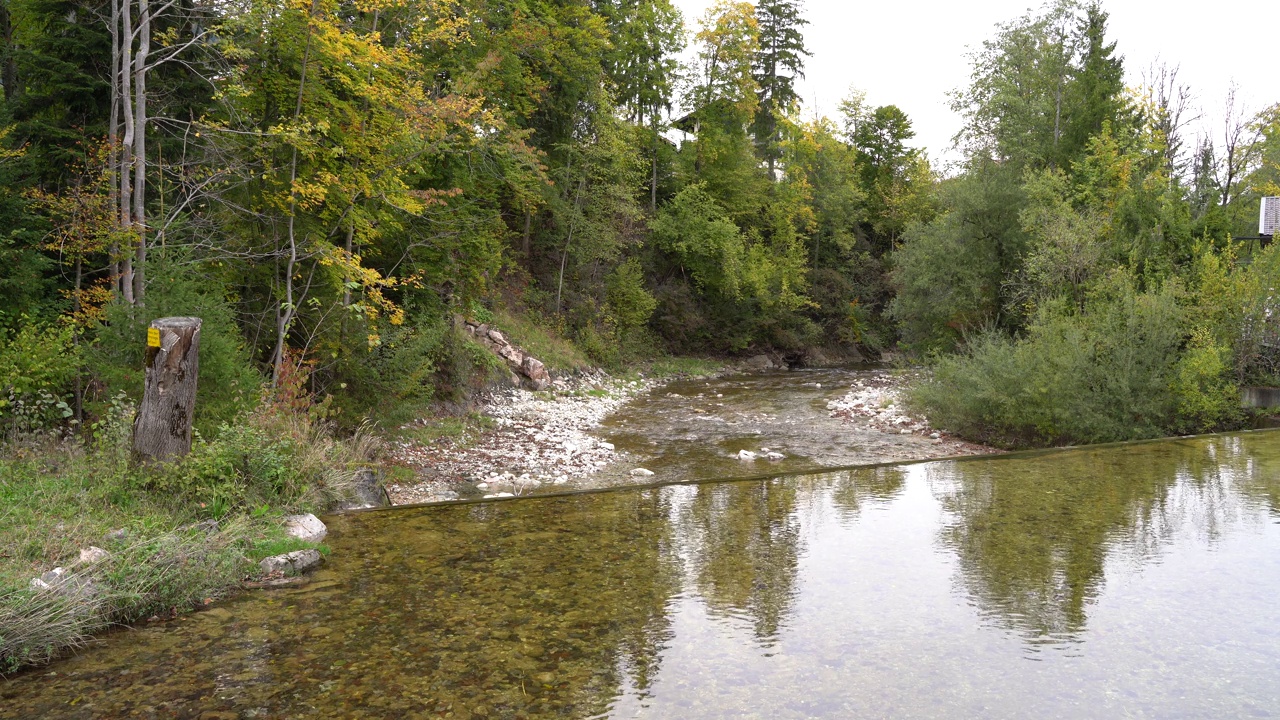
x,y
1127,365
58,496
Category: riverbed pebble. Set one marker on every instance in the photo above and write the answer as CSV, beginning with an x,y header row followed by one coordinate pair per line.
x,y
876,400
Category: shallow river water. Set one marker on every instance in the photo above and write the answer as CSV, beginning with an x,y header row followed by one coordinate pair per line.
x,y
693,429
1126,581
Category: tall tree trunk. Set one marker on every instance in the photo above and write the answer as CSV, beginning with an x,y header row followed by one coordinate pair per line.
x,y
284,316
564,256
126,147
9,73
140,147
113,138
77,306
525,247
351,236
653,176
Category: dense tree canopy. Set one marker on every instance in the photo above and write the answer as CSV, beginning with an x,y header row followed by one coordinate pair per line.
x,y
334,182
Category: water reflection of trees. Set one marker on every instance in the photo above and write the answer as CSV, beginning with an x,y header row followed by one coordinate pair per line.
x,y
851,490
1033,535
744,542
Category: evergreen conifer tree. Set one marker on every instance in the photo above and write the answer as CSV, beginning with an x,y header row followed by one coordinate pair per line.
x,y
1096,91
778,64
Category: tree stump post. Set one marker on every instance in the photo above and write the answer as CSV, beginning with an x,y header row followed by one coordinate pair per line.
x,y
162,427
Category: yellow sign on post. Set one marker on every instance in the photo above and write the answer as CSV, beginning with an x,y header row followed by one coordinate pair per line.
x,y
153,337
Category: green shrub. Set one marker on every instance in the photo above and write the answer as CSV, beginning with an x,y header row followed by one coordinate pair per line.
x,y
38,356
280,459
1202,386
242,467
600,344
38,365
630,304
1235,301
949,274
399,377
1097,375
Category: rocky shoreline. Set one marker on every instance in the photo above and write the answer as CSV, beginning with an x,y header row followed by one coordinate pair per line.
x,y
537,438
876,400
542,439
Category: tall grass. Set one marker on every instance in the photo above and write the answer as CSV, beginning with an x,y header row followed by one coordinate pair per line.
x,y
58,496
164,574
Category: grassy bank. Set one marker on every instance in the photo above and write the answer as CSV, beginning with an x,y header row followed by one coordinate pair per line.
x,y
178,536
182,535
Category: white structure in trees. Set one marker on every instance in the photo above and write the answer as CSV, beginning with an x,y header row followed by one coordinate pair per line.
x,y
1269,216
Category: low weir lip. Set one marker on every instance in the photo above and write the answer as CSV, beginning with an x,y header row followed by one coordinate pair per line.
x,y
1038,452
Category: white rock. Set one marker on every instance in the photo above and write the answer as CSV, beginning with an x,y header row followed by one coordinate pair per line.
x,y
775,456
746,455
293,562
482,486
607,446
305,527
935,436
54,576
51,579
91,555
641,472
904,431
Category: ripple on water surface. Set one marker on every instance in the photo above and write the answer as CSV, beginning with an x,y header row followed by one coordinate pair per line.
x,y
1130,581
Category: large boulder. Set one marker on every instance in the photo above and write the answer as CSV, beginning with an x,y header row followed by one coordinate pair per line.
x,y
305,527
290,563
759,363
533,369
368,491
511,355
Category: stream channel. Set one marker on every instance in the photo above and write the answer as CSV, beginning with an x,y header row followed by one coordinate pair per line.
x,y
1137,580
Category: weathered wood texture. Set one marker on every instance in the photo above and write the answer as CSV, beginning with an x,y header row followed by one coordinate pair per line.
x,y
162,428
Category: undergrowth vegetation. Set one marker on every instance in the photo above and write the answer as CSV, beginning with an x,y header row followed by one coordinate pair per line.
x,y
179,535
1126,363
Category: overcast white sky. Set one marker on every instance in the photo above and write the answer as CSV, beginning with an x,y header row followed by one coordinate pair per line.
x,y
910,54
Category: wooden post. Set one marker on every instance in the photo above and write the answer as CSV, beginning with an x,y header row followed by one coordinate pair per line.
x,y
162,428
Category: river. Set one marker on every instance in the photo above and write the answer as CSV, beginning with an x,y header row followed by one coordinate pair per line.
x,y
1135,580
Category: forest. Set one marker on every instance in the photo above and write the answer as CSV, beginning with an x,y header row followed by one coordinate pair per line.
x,y
331,185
